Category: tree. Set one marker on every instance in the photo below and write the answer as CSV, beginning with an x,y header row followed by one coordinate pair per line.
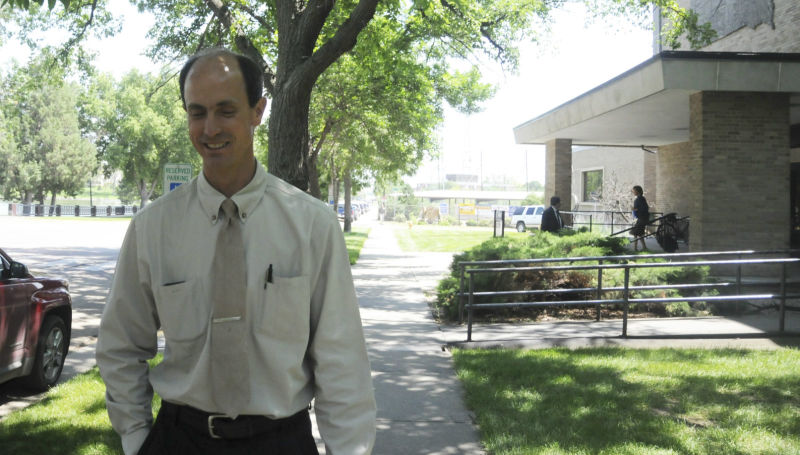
x,y
49,154
141,127
7,148
297,41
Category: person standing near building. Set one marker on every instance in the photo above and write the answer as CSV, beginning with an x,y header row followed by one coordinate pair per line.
x,y
551,219
641,212
248,278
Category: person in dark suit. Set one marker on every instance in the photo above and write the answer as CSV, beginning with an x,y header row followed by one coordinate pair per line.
x,y
551,219
641,212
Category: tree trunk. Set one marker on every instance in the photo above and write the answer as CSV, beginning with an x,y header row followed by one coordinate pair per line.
x,y
313,174
333,192
348,208
313,159
52,203
288,134
142,187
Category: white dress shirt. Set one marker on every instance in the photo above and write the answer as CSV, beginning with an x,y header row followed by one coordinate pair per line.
x,y
306,335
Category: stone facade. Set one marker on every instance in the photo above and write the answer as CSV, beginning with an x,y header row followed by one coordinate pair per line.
x,y
783,37
739,171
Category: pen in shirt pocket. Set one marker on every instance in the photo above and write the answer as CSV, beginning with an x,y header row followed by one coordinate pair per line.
x,y
268,278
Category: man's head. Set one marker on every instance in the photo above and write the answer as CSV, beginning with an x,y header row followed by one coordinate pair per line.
x,y
222,116
555,201
637,190
251,72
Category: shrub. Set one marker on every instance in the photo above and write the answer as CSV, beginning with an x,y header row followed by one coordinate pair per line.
x,y
564,244
448,221
483,223
400,218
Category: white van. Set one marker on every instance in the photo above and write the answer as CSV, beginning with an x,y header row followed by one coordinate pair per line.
x,y
527,216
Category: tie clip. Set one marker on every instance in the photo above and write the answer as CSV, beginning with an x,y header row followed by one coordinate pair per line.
x,y
229,319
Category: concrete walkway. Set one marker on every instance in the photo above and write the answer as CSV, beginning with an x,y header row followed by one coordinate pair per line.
x,y
420,401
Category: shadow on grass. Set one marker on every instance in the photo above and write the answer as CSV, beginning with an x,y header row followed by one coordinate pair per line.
x,y
71,419
632,401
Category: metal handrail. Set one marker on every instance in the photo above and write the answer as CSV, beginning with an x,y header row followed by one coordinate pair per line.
x,y
601,259
626,289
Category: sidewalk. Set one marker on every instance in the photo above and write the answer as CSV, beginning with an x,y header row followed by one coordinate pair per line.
x,y
420,401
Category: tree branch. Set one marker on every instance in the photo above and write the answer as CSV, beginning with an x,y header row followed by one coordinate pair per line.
x,y
344,39
243,42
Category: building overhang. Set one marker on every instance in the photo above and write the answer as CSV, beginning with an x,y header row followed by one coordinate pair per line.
x,y
477,196
648,105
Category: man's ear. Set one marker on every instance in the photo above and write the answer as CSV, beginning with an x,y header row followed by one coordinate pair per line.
x,y
259,108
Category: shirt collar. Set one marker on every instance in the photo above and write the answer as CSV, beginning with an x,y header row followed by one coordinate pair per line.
x,y
246,199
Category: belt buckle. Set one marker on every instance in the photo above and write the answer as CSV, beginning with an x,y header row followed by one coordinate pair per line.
x,y
211,425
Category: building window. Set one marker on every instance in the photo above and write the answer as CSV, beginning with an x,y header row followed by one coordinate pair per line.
x,y
593,185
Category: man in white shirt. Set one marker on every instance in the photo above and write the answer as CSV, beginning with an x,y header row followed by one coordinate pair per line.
x,y
301,336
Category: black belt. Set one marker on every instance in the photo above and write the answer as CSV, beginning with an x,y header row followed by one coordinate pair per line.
x,y
219,426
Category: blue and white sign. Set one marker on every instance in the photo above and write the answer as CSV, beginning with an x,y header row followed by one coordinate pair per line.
x,y
175,175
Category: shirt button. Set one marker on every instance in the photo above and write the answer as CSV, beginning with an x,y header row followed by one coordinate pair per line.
x,y
244,214
213,217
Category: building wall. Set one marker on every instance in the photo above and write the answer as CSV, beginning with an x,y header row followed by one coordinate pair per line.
x,y
622,168
674,191
783,37
739,171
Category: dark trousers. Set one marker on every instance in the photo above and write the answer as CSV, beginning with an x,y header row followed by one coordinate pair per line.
x,y
173,435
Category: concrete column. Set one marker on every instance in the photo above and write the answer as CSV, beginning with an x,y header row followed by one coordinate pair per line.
x,y
558,172
738,166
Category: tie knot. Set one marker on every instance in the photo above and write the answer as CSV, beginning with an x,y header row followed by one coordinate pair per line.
x,y
229,207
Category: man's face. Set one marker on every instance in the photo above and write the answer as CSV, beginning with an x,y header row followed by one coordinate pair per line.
x,y
221,122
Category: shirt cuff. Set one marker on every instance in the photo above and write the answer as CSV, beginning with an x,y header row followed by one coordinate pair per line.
x,y
132,442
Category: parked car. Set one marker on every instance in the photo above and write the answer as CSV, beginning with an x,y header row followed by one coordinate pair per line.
x,y
527,216
35,325
353,213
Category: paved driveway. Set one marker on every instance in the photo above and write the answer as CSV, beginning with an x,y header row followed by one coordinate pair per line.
x,y
82,251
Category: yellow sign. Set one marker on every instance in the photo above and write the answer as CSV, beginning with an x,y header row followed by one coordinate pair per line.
x,y
466,209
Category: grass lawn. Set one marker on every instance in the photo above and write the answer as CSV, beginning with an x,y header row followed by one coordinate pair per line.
x,y
355,241
70,420
443,239
634,402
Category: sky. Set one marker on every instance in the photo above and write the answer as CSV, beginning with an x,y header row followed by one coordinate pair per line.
x,y
571,59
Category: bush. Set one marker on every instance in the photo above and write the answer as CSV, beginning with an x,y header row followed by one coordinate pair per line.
x,y
448,221
400,218
564,244
483,223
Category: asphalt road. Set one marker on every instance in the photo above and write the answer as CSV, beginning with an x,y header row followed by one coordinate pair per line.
x,y
84,251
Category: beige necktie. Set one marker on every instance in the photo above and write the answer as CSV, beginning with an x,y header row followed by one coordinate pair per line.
x,y
230,372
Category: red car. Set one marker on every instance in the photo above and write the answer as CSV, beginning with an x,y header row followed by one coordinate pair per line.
x,y
35,325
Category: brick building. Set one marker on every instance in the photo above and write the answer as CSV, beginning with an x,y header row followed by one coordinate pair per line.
x,y
713,134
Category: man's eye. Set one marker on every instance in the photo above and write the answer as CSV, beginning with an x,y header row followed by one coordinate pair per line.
x,y
196,115
228,113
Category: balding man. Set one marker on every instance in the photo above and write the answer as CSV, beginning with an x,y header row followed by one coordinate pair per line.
x,y
249,280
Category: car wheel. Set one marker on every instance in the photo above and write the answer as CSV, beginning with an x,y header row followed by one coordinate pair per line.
x,y
51,350
520,226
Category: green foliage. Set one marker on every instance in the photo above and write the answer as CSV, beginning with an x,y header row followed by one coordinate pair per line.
x,y
567,243
41,144
399,218
533,199
613,401
449,221
141,126
355,241
483,223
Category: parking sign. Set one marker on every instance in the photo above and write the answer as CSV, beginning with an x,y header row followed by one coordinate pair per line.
x,y
176,175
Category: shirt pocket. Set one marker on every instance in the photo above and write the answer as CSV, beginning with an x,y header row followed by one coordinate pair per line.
x,y
180,310
285,309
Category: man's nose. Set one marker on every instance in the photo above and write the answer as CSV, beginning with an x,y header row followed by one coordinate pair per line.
x,y
211,126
